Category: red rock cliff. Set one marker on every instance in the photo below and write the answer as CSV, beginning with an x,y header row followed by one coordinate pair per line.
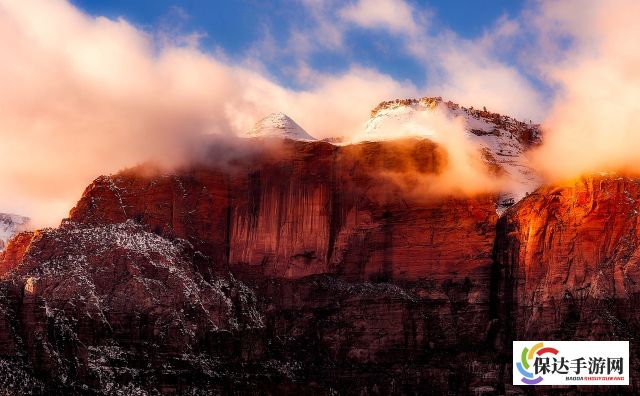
x,y
568,260
315,208
318,265
14,252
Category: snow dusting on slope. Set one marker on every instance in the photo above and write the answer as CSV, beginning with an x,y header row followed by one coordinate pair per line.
x,y
279,125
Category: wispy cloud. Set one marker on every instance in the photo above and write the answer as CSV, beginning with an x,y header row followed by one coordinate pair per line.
x,y
469,71
392,15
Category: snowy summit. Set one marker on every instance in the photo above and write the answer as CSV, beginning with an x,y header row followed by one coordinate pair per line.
x,y
279,125
502,140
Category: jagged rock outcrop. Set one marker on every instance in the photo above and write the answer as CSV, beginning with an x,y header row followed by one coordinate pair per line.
x,y
115,309
15,251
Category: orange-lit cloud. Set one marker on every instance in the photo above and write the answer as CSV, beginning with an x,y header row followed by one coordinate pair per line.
x,y
464,174
594,124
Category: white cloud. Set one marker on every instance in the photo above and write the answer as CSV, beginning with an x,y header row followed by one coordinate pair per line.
x,y
467,71
396,16
82,96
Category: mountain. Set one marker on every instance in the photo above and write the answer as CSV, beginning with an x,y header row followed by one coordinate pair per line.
x,y
279,125
10,225
302,268
502,141
306,271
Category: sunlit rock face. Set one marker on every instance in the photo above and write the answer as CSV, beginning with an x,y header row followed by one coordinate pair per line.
x,y
573,252
14,251
315,209
567,258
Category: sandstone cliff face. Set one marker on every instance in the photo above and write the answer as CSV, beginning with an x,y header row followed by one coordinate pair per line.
x,y
319,270
353,274
570,247
567,258
15,250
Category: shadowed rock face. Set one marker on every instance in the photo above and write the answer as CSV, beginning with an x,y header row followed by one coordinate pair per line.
x,y
313,272
98,307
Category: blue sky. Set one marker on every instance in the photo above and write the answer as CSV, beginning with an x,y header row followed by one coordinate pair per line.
x,y
240,27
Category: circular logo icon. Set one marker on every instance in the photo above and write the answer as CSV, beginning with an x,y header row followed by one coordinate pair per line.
x,y
526,360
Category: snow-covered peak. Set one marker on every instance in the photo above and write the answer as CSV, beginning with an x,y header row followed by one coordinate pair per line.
x,y
279,125
394,120
10,225
397,118
501,140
